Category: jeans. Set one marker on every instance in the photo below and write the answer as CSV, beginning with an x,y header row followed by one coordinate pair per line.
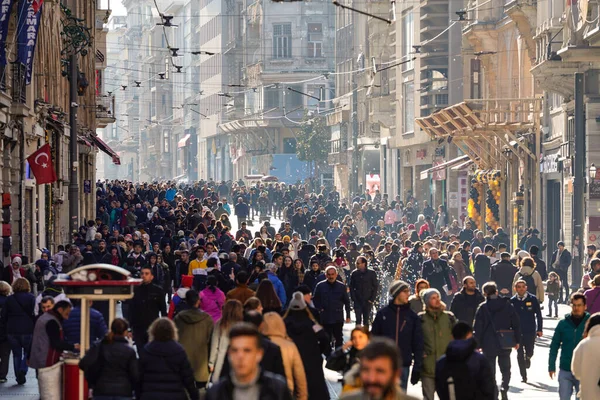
x,y
20,346
550,302
564,285
503,357
404,378
525,352
428,386
566,384
363,313
335,332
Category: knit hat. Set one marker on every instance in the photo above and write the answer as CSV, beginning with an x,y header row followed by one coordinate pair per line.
x,y
396,287
427,293
297,303
187,281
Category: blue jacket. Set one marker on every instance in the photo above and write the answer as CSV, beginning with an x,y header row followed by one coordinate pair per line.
x,y
529,313
278,285
17,314
311,278
330,299
333,234
474,382
404,326
72,326
504,317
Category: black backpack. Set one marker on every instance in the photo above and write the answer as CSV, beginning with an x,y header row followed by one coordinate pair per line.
x,y
531,287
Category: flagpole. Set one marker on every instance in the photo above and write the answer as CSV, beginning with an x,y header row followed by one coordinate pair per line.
x,y
74,179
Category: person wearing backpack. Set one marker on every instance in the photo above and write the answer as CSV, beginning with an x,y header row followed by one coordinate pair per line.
x,y
498,331
463,372
528,309
532,278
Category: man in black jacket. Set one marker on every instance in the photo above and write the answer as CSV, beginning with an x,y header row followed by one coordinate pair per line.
x,y
248,380
465,303
561,261
503,273
436,272
398,322
482,264
528,309
148,303
363,290
497,326
540,265
330,298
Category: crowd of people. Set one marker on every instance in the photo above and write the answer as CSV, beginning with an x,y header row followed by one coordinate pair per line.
x,y
250,310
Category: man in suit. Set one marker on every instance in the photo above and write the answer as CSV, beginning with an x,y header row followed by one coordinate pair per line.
x,y
561,261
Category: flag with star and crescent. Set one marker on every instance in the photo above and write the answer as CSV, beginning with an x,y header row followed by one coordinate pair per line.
x,y
40,163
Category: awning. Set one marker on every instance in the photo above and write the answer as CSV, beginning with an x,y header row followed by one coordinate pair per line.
x,y
444,165
106,149
184,141
84,140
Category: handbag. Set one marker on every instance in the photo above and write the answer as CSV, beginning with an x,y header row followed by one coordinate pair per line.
x,y
505,337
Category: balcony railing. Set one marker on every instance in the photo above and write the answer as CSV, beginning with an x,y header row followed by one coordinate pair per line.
x,y
105,106
19,78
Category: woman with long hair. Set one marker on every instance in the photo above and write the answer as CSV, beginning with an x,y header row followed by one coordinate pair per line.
x,y
118,373
268,297
345,358
233,312
165,372
212,298
311,340
586,360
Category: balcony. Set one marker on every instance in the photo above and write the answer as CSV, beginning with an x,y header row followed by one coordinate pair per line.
x,y
105,106
339,152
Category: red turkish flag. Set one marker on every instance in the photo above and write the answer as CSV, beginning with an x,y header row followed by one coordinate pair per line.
x,y
36,5
40,163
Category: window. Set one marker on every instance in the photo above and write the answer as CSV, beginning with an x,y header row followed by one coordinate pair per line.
x,y
272,98
293,100
166,141
315,40
408,94
282,41
408,39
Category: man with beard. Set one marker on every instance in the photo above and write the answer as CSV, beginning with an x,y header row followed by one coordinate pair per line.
x,y
465,303
379,370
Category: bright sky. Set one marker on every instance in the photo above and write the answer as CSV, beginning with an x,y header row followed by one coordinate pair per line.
x,y
115,5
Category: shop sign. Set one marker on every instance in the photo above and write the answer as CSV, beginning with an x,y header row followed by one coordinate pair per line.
x,y
549,163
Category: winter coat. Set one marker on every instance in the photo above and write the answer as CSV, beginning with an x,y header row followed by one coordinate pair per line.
x,y
416,303
564,261
219,343
363,286
272,359
503,273
148,303
526,273
330,299
482,267
464,306
165,373
593,300
530,314
278,286
566,337
17,317
72,326
311,278
462,360
241,293
553,289
460,268
504,317
401,324
310,345
195,329
274,327
437,274
585,365
212,302
437,333
119,375
272,387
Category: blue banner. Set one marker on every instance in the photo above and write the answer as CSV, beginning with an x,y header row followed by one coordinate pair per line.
x,y
5,8
28,22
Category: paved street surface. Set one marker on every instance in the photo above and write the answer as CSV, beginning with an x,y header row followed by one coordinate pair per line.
x,y
539,386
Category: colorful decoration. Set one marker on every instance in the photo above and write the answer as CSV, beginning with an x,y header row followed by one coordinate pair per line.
x,y
474,204
493,179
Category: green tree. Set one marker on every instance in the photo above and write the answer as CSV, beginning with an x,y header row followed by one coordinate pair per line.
x,y
312,142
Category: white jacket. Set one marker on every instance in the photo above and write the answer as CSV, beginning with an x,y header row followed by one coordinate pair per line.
x,y
585,365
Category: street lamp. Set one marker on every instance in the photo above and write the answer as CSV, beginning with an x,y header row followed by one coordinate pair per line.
x,y
593,171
